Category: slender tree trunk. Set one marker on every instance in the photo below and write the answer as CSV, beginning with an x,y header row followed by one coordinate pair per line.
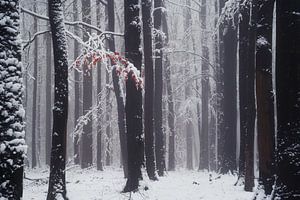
x,y
34,97
99,99
187,93
108,150
77,104
149,89
203,159
220,93
86,138
158,88
171,113
48,97
251,109
265,95
288,98
12,135
243,83
133,107
57,182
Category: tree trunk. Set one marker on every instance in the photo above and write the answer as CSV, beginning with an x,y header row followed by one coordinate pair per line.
x,y
251,109
171,113
12,135
288,98
133,107
57,182
77,104
99,99
149,89
228,162
118,92
158,88
220,94
203,159
48,97
265,95
34,97
86,138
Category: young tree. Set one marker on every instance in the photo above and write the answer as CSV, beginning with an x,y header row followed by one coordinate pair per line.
x,y
57,182
77,96
34,97
288,99
149,89
12,143
203,159
133,107
158,88
171,112
48,98
86,138
265,95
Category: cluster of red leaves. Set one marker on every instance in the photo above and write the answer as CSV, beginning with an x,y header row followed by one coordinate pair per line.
x,y
123,66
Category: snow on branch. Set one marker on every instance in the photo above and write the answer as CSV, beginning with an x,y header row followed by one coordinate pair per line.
x,y
74,23
28,42
94,52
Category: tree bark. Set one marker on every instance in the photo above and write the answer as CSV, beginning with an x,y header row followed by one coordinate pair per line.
x,y
158,88
86,138
77,104
12,135
149,89
57,182
203,159
133,107
265,95
288,99
228,162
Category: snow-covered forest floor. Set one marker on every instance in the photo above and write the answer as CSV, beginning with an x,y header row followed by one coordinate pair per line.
x,y
90,184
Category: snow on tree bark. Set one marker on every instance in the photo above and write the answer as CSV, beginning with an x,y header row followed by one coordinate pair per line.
x,y
288,99
158,90
57,182
12,143
133,107
149,90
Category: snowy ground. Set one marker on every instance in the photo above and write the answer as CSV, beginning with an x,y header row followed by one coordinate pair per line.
x,y
91,184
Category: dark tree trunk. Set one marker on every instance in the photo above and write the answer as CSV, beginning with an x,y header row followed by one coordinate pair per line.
x,y
34,98
171,113
133,108
228,162
48,97
158,88
77,104
86,138
203,159
243,83
99,113
57,182
12,130
250,103
288,98
118,92
265,95
149,89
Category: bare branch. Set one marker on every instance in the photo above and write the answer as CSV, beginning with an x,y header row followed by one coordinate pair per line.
x,y
33,38
103,2
183,5
75,23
